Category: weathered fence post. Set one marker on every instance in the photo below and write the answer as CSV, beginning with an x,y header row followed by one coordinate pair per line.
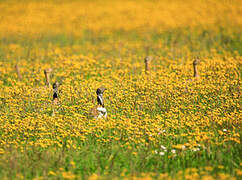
x,y
195,70
147,63
47,76
18,71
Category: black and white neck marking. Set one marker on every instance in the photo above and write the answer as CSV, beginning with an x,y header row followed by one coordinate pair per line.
x,y
100,100
100,96
55,90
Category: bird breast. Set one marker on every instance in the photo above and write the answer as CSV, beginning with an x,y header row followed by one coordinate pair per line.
x,y
102,109
98,112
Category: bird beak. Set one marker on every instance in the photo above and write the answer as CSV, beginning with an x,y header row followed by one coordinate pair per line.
x,y
103,89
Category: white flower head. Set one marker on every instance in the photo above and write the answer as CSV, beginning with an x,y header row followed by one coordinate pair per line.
x,y
173,151
163,147
196,149
162,153
161,131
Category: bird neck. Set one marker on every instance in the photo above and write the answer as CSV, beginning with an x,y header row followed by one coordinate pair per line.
x,y
100,100
55,93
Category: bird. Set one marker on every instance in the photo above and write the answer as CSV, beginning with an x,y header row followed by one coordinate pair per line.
x,y
55,99
99,111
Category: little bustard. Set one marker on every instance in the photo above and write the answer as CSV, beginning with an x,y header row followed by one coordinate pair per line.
x,y
99,111
55,99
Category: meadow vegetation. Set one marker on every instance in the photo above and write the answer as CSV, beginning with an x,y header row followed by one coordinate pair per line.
x,y
162,124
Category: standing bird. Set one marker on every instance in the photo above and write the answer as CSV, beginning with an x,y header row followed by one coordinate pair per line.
x,y
55,100
55,93
99,111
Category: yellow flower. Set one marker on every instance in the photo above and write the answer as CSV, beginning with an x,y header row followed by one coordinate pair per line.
x,y
1,151
52,173
68,175
208,168
238,172
93,177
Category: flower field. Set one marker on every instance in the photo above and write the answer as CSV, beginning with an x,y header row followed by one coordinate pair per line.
x,y
162,123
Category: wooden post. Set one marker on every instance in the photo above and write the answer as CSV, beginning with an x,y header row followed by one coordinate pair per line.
x,y
18,71
147,63
195,70
47,76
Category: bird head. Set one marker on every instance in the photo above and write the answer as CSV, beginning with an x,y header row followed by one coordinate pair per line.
x,y
100,95
55,85
100,90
